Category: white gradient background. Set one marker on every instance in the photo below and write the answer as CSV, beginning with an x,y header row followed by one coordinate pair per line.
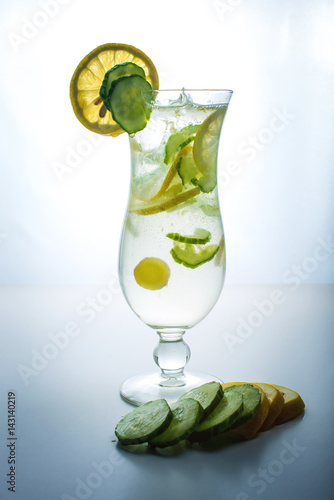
x,y
274,55
59,245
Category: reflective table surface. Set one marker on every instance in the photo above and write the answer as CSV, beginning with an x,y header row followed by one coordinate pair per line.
x,y
66,350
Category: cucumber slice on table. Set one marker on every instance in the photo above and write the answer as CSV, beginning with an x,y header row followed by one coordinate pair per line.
x,y
125,69
130,101
221,418
208,395
144,423
251,400
178,141
186,415
200,237
191,256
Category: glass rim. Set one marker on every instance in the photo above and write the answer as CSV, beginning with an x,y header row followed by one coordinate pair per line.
x,y
198,97
193,90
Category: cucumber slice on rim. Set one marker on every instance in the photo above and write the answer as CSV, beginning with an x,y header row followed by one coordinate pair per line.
x,y
220,419
130,101
125,69
144,423
178,141
200,237
191,256
186,415
251,401
208,396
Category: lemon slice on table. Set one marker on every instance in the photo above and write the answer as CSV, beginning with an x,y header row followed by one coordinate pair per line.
x,y
293,405
89,76
276,401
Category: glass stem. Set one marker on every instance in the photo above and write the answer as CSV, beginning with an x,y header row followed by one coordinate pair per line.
x,y
171,355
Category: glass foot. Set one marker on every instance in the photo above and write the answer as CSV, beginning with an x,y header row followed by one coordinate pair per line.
x,y
147,387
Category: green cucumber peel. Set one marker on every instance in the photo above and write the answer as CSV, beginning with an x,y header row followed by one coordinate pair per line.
x,y
130,101
187,414
208,396
144,423
191,256
200,237
220,419
251,401
179,140
125,69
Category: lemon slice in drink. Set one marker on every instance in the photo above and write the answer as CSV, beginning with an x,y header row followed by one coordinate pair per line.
x,y
87,80
205,150
165,202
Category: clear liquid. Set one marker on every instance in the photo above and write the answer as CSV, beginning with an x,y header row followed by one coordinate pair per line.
x,y
190,293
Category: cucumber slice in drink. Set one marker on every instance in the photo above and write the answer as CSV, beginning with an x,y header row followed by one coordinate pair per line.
x,y
125,69
200,237
144,423
192,256
251,401
206,183
178,141
208,396
186,169
130,101
220,419
186,415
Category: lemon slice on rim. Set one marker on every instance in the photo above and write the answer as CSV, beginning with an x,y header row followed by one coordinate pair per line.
x,y
87,80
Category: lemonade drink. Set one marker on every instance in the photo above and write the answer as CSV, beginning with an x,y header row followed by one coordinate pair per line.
x,y
172,252
170,216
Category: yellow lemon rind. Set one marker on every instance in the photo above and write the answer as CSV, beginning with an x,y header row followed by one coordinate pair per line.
x,y
101,59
